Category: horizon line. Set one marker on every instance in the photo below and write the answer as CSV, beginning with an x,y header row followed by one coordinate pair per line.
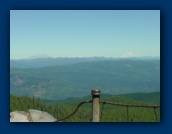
x,y
31,58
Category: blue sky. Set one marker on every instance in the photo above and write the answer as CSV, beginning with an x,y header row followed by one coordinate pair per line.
x,y
84,33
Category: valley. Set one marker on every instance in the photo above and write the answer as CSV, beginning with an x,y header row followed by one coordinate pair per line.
x,y
59,82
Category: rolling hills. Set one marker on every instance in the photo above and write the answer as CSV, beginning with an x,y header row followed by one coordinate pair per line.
x,y
76,79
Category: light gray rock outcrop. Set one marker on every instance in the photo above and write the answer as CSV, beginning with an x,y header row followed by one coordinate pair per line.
x,y
31,116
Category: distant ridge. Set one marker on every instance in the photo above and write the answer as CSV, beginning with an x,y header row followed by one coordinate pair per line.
x,y
39,56
38,61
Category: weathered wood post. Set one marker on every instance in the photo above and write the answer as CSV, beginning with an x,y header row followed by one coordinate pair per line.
x,y
95,105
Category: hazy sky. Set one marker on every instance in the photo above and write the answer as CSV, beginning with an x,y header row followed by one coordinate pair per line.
x,y
84,33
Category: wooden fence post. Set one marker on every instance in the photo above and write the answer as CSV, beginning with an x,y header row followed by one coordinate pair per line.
x,y
95,105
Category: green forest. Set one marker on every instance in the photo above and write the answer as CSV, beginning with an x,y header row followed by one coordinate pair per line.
x,y
108,113
76,80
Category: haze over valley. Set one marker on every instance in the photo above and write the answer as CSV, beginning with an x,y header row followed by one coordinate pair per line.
x,y
61,78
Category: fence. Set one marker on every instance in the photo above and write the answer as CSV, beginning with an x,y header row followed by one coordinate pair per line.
x,y
96,107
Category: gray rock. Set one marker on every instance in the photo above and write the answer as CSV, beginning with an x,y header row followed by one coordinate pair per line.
x,y
40,116
31,116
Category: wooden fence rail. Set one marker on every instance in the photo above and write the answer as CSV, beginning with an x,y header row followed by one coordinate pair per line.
x,y
96,107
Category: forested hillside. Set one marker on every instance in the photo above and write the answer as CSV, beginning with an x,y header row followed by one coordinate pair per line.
x,y
76,80
109,113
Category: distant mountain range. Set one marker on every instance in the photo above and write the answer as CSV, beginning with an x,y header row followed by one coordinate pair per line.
x,y
37,56
38,61
61,78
